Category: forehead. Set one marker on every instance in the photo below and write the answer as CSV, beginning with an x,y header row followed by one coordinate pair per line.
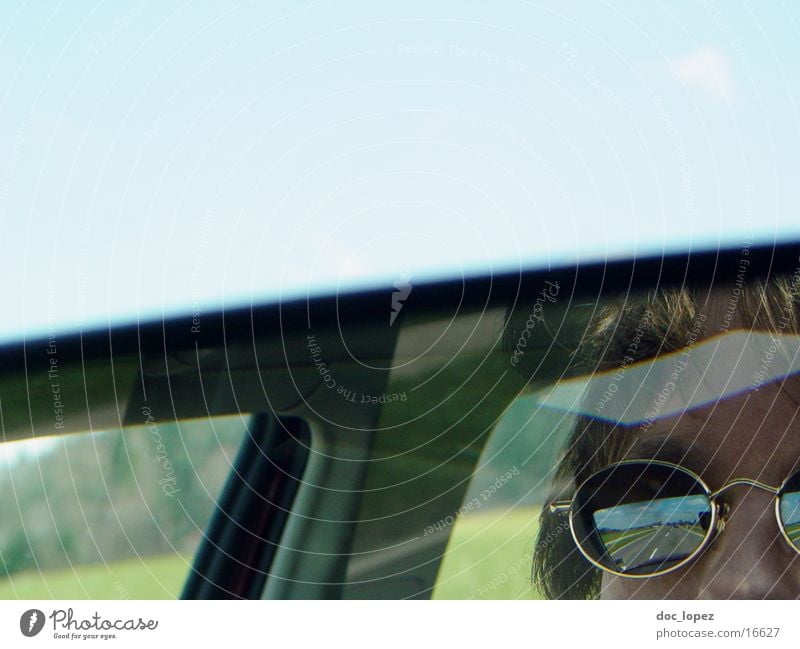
x,y
749,435
711,380
740,417
728,377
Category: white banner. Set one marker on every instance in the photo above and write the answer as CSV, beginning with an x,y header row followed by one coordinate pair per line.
x,y
397,624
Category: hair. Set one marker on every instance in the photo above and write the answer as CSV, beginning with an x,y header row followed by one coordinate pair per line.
x,y
661,321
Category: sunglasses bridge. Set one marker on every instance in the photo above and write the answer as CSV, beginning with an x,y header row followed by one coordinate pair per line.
x,y
724,509
745,481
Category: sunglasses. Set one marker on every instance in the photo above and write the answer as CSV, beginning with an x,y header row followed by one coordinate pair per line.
x,y
643,518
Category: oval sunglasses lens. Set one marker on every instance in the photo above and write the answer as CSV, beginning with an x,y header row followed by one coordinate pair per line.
x,y
641,519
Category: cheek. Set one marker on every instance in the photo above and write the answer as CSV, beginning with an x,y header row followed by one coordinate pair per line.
x,y
612,587
670,586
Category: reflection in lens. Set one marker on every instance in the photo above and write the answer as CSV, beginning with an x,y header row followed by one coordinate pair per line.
x,y
790,513
641,518
643,536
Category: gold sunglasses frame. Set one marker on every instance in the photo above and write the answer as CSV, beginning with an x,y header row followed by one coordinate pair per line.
x,y
716,524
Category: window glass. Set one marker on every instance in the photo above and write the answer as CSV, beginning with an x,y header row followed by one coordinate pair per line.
x,y
490,548
110,515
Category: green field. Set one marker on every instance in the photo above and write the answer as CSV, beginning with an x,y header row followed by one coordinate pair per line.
x,y
488,557
148,578
793,532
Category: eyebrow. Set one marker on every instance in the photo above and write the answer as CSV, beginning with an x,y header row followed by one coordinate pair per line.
x,y
691,454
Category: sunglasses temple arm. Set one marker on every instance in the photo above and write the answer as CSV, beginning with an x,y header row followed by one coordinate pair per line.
x,y
560,506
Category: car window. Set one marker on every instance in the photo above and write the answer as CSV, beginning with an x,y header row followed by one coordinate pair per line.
x,y
493,532
115,514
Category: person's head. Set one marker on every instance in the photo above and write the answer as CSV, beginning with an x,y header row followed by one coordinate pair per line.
x,y
650,361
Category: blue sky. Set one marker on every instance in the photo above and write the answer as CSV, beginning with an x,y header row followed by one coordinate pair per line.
x,y
160,156
686,510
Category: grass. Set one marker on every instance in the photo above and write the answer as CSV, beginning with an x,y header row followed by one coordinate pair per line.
x,y
488,557
159,577
793,532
